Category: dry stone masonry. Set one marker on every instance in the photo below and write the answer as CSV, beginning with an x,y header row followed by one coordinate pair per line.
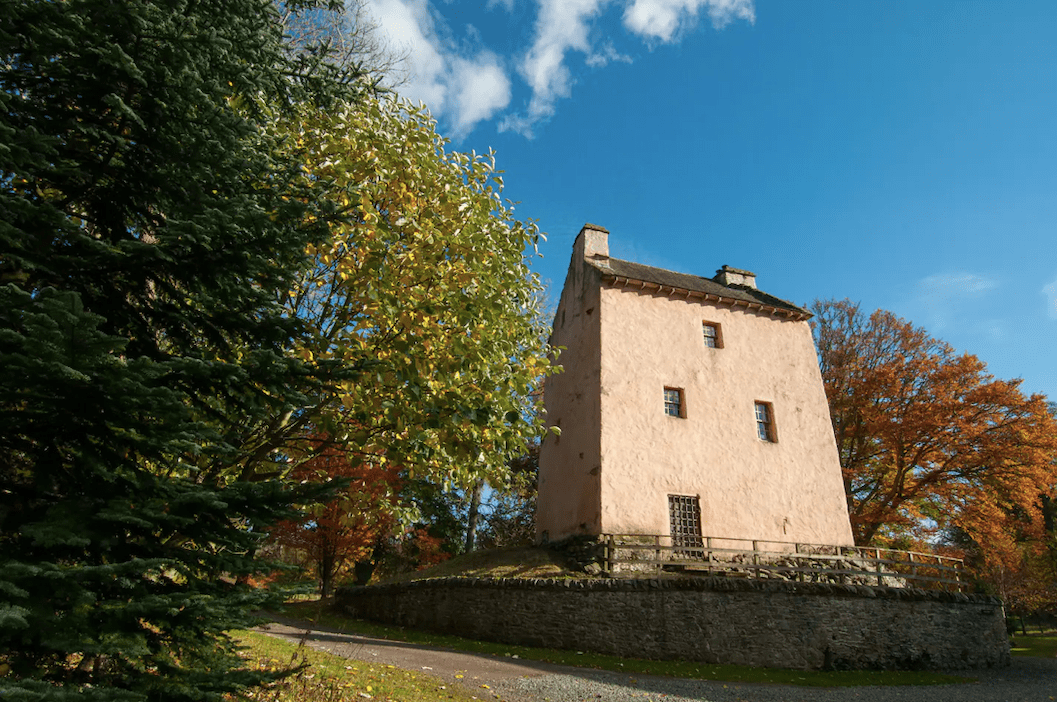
x,y
714,620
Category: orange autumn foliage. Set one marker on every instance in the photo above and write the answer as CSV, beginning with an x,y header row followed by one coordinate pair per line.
x,y
929,442
335,535
428,549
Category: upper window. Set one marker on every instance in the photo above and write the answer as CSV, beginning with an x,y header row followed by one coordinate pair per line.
x,y
712,335
765,422
673,402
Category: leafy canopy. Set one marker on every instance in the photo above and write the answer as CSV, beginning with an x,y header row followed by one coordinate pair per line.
x,y
929,442
335,535
422,293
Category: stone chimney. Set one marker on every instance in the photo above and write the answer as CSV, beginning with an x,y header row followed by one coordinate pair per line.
x,y
735,276
592,242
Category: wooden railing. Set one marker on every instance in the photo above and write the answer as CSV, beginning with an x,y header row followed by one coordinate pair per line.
x,y
784,560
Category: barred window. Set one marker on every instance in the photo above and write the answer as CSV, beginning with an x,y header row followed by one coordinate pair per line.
x,y
685,514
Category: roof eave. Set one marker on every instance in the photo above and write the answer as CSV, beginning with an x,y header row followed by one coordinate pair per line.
x,y
685,293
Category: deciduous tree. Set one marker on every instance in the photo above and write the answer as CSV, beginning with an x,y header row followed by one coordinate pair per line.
x,y
928,440
422,295
335,534
345,36
510,518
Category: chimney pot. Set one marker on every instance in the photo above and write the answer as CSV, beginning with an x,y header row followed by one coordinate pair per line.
x,y
735,276
594,240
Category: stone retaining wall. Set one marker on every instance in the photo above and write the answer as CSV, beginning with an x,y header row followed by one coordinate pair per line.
x,y
715,620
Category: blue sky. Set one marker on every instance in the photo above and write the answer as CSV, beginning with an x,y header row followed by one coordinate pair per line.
x,y
902,154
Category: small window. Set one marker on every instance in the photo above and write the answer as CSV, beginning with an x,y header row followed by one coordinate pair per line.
x,y
712,335
684,512
673,402
765,422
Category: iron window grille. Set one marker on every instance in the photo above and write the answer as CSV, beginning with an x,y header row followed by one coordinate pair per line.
x,y
685,514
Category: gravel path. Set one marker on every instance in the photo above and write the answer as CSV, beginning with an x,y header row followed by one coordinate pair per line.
x,y
1027,680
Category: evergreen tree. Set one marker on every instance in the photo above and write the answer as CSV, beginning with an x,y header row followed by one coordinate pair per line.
x,y
150,221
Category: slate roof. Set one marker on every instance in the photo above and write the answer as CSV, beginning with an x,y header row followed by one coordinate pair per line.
x,y
647,278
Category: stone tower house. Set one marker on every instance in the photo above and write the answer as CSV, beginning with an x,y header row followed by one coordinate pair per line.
x,y
686,404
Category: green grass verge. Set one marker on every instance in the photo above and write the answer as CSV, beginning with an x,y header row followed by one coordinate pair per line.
x,y
1035,646
324,616
509,562
330,678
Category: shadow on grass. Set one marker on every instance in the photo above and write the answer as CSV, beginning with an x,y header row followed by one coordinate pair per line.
x,y
331,678
1034,645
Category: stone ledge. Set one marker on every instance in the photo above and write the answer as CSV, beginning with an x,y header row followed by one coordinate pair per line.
x,y
713,584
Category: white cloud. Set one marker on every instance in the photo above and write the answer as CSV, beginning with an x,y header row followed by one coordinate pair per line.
x,y
995,329
479,89
944,294
562,26
1050,291
664,19
468,87
605,55
565,25
410,28
949,285
465,89
518,123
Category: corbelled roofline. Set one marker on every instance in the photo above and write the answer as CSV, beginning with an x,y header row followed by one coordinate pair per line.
x,y
625,274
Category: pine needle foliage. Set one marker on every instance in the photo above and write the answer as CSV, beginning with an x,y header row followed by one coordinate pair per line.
x,y
149,221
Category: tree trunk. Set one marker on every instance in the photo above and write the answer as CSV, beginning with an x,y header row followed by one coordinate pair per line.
x,y
474,516
325,569
363,571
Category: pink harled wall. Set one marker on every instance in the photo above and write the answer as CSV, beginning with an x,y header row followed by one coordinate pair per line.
x,y
620,456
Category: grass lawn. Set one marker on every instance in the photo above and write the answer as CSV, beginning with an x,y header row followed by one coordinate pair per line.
x,y
334,679
509,562
322,615
1034,645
